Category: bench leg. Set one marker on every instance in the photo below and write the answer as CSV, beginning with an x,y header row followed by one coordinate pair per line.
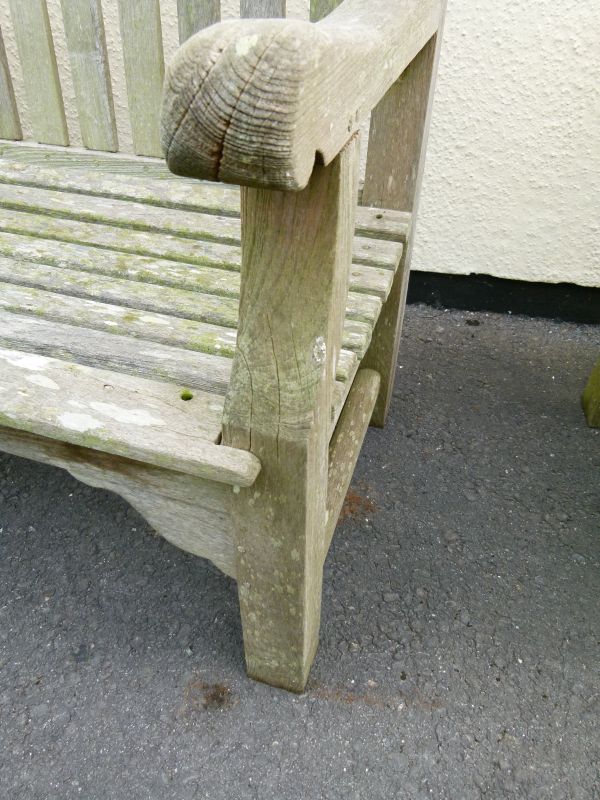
x,y
393,180
591,398
281,523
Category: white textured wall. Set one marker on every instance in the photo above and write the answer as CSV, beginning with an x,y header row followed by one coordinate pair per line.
x,y
512,184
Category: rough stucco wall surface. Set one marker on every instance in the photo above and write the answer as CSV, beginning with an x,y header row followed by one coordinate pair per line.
x,y
512,182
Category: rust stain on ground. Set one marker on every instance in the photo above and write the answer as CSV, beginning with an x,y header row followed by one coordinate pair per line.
x,y
357,506
199,695
349,698
374,699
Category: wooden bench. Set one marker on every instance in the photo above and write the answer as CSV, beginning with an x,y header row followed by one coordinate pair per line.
x,y
214,360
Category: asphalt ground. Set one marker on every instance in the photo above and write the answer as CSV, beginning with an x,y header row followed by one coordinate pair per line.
x,y
460,627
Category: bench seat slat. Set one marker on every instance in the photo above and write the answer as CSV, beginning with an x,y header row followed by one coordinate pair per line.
x,y
125,355
69,255
120,239
201,355
148,181
161,327
137,290
188,227
122,320
120,414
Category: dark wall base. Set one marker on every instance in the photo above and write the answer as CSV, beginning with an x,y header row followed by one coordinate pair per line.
x,y
564,301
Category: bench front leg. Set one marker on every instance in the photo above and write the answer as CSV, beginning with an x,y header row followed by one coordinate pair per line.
x,y
296,255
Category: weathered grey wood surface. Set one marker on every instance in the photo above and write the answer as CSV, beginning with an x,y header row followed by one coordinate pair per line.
x,y
279,405
397,134
262,8
193,15
282,91
346,443
40,73
139,419
195,321
191,513
321,8
158,300
171,277
184,225
143,290
102,163
84,31
125,354
591,398
144,70
393,179
10,124
98,175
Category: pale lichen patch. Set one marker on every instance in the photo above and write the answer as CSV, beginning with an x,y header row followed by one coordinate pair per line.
x,y
319,350
244,44
155,320
79,422
42,380
129,416
24,360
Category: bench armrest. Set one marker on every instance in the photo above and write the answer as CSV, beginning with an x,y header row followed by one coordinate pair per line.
x,y
254,102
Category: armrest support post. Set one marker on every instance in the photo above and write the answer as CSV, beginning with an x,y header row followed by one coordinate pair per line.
x,y
296,256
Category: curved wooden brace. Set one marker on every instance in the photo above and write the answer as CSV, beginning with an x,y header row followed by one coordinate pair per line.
x,y
254,102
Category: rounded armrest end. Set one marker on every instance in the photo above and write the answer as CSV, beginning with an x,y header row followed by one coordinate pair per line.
x,y
232,107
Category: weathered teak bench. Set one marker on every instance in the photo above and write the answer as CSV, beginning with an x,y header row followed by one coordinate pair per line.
x,y
219,375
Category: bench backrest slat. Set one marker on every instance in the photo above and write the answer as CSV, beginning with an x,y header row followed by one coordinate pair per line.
x,y
262,8
321,8
40,73
193,15
141,33
84,31
10,125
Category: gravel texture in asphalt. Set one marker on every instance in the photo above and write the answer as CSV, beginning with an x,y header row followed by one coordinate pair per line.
x,y
460,629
